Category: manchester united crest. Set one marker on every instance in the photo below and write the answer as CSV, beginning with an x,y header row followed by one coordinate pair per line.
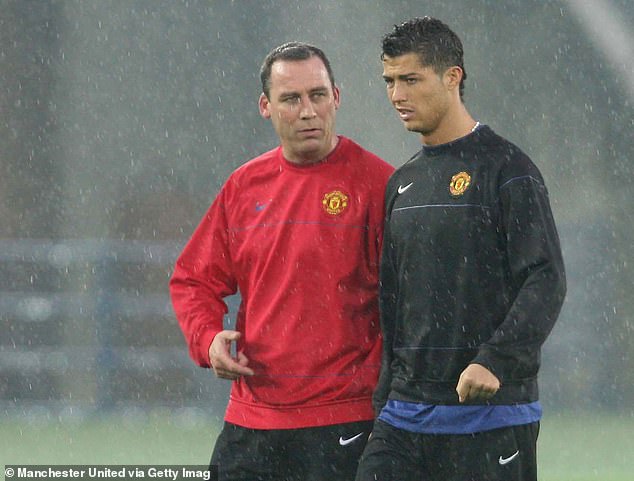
x,y
459,184
335,202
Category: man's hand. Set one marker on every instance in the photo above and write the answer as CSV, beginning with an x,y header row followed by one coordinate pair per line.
x,y
224,365
477,383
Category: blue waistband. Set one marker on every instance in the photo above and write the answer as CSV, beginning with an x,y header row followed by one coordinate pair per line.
x,y
437,419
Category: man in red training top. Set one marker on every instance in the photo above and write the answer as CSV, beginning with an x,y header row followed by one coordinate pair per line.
x,y
297,231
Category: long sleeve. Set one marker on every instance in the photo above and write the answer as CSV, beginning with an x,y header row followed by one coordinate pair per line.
x,y
387,306
537,276
202,279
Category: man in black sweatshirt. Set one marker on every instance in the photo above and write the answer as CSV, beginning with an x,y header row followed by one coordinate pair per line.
x,y
472,282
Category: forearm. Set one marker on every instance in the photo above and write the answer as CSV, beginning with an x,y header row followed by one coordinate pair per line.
x,y
536,281
200,314
514,348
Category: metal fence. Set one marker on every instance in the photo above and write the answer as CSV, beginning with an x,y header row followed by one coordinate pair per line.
x,y
88,326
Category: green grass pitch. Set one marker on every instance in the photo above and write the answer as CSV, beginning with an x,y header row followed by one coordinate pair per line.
x,y
582,447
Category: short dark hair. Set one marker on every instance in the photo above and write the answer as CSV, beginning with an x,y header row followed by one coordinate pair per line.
x,y
291,51
436,45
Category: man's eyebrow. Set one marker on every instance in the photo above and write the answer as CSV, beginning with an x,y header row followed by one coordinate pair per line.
x,y
293,93
289,93
401,77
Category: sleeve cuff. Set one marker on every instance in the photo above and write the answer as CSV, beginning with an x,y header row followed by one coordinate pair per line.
x,y
200,347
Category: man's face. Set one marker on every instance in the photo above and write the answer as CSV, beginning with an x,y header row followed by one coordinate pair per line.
x,y
420,96
302,104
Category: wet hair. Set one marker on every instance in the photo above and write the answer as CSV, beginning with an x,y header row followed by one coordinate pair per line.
x,y
436,45
291,51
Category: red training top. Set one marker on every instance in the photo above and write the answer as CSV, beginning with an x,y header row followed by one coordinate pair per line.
x,y
302,245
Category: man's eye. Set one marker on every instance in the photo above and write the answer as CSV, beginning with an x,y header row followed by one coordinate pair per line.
x,y
411,81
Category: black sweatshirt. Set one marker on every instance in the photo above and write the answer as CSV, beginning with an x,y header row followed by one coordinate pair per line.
x,y
471,271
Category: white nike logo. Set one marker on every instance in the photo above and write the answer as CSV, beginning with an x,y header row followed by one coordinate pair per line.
x,y
504,461
402,189
345,442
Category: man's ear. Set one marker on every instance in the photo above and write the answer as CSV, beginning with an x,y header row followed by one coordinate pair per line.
x,y
453,77
263,104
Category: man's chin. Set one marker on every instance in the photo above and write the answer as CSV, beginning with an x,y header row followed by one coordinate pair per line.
x,y
416,128
312,145
413,128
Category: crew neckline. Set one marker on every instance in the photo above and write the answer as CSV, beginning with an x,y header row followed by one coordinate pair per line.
x,y
438,149
326,161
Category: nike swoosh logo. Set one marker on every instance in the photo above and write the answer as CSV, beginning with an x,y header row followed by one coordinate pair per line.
x,y
402,189
345,442
504,461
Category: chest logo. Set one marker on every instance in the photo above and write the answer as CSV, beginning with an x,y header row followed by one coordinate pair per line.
x,y
459,184
401,189
335,202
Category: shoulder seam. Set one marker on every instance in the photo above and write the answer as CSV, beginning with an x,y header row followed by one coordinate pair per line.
x,y
514,179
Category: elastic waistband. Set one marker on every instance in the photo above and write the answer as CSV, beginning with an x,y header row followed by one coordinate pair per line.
x,y
273,417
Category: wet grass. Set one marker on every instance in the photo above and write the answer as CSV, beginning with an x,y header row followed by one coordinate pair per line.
x,y
582,447
145,440
586,447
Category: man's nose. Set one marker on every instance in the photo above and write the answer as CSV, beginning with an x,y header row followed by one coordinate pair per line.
x,y
307,109
397,93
